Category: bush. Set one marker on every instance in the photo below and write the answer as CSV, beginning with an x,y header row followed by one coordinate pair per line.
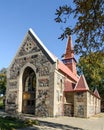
x,y
31,122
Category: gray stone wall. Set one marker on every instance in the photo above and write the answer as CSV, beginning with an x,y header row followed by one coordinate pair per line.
x,y
69,104
86,104
93,104
80,104
31,53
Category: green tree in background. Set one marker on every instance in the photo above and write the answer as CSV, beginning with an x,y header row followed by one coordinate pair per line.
x,y
88,26
3,81
92,66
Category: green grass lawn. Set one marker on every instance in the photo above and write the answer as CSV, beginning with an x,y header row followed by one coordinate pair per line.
x,y
12,123
9,123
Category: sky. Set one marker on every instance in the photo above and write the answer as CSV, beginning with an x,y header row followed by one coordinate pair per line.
x,y
17,16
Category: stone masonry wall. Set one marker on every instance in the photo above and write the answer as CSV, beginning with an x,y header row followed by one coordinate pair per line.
x,y
31,53
69,104
80,104
86,104
93,104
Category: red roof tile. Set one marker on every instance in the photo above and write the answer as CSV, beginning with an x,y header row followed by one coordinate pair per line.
x,y
81,84
96,93
68,86
67,71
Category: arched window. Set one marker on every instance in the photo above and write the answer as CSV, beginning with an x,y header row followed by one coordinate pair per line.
x,y
29,80
29,91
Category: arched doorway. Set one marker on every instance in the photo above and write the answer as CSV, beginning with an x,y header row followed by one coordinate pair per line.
x,y
29,91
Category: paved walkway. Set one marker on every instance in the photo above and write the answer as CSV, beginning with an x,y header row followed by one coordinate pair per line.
x,y
93,123
72,123
68,123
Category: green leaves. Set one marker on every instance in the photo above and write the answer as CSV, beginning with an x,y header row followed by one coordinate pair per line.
x,y
67,32
62,12
89,25
92,66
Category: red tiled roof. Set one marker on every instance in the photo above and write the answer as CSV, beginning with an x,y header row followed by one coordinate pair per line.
x,y
67,71
96,93
81,84
68,86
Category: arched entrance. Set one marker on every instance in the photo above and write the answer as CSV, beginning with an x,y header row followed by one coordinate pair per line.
x,y
29,91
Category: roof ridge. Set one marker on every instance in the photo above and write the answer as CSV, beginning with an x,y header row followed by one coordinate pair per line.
x,y
81,84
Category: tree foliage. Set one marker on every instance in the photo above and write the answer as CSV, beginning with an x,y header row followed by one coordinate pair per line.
x,y
92,66
3,81
89,26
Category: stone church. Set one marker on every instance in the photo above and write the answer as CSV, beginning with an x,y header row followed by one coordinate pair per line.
x,y
38,83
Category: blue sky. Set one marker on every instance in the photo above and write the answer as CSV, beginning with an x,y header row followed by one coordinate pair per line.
x,y
17,16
